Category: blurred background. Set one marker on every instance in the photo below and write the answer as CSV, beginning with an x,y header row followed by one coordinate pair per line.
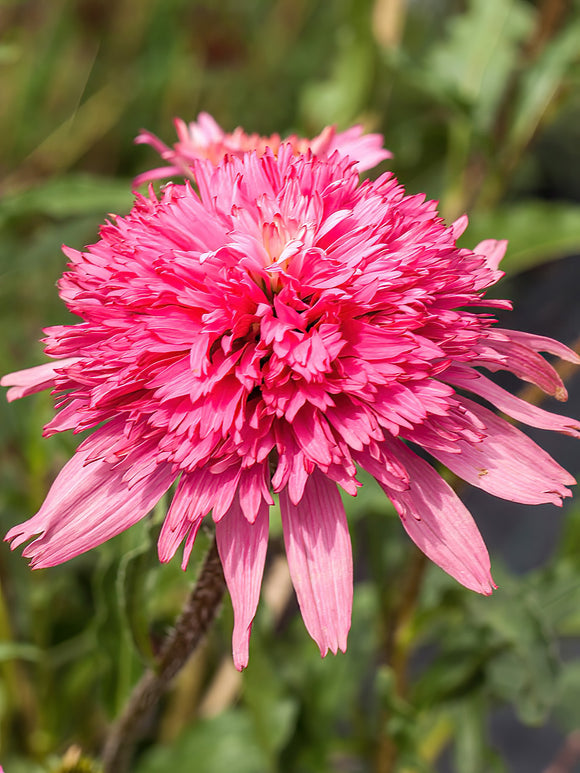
x,y
479,102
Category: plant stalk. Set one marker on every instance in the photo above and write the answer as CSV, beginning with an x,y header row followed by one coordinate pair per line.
x,y
194,622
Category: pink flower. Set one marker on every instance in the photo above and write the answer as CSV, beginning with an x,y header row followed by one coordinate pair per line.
x,y
269,334
205,138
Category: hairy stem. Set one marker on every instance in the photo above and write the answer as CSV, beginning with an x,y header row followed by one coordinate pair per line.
x,y
196,618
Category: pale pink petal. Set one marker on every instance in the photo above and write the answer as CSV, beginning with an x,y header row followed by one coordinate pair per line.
x,y
183,517
542,344
498,352
320,560
534,416
27,382
88,503
458,226
506,463
493,250
439,523
366,149
159,173
242,548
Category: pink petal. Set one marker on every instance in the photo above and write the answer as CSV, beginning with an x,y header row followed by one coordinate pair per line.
x,y
88,503
184,516
521,360
32,380
254,487
242,548
493,250
506,463
469,379
439,523
320,560
542,344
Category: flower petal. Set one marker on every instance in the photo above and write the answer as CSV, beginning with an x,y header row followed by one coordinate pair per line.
x,y
184,516
88,503
439,523
469,379
506,463
320,560
31,380
242,547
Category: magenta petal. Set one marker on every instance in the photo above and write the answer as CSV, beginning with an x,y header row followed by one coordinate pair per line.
x,y
507,463
439,523
242,548
88,503
320,560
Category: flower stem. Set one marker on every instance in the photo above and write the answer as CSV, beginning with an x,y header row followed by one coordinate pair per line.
x,y
196,618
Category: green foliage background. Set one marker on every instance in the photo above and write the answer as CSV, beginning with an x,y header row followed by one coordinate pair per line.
x,y
479,102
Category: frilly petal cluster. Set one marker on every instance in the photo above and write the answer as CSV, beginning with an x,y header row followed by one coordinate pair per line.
x,y
269,332
205,138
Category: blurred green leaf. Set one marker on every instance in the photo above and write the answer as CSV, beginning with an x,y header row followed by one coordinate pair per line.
x,y
472,752
567,709
340,98
537,231
226,743
474,60
525,672
65,197
131,586
540,84
19,651
273,708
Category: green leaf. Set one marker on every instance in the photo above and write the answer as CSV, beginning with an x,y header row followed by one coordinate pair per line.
x,y
225,743
567,709
273,709
472,752
63,197
18,651
340,98
541,82
474,61
132,587
525,672
537,231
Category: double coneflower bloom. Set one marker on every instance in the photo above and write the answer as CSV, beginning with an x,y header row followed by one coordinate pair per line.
x,y
267,329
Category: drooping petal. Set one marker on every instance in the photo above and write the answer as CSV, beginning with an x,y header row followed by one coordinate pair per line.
x,y
31,380
183,517
88,503
542,344
506,463
320,560
533,415
503,351
439,523
242,548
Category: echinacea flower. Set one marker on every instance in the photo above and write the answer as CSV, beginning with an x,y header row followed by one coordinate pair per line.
x,y
205,138
269,333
